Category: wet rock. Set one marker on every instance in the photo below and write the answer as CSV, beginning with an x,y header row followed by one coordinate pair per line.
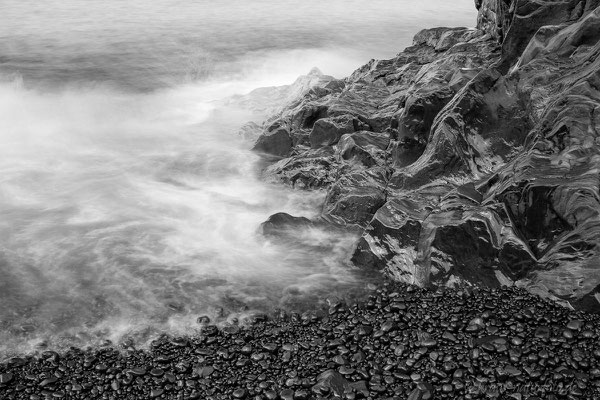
x,y
308,115
277,142
525,228
575,324
472,249
48,381
205,371
355,197
331,381
423,391
137,371
311,169
365,148
6,378
390,242
287,394
404,151
328,131
421,347
182,341
494,17
529,16
282,224
420,110
449,336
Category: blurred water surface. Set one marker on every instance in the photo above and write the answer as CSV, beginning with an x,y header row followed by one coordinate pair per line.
x,y
128,204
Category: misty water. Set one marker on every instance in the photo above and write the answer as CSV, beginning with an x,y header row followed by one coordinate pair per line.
x,y
129,204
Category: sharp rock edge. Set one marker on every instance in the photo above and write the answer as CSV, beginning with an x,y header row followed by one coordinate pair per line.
x,y
471,158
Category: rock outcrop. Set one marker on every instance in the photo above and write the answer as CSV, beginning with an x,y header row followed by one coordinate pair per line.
x,y
472,157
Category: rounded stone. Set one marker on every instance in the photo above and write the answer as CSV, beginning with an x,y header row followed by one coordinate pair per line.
x,y
287,394
6,378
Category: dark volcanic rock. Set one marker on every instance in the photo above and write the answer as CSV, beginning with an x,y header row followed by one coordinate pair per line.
x,y
356,196
420,110
311,169
471,157
397,342
282,223
392,239
494,17
331,381
277,142
328,131
365,148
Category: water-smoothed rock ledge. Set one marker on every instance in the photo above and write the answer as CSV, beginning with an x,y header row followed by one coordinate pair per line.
x,y
471,158
402,342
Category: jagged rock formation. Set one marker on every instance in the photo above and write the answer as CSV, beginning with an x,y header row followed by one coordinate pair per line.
x,y
266,101
472,157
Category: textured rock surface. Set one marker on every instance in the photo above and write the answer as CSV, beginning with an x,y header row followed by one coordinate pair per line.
x,y
472,157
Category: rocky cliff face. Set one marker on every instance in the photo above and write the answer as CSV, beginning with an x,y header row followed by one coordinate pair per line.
x,y
472,157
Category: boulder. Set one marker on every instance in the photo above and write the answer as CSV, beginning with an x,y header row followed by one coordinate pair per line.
x,y
277,142
366,148
282,224
470,246
331,381
390,242
306,117
356,196
328,131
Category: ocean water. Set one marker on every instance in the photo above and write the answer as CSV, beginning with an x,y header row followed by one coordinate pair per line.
x,y
129,205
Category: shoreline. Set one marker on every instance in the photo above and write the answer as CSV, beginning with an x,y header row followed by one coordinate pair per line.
x,y
401,342
427,169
